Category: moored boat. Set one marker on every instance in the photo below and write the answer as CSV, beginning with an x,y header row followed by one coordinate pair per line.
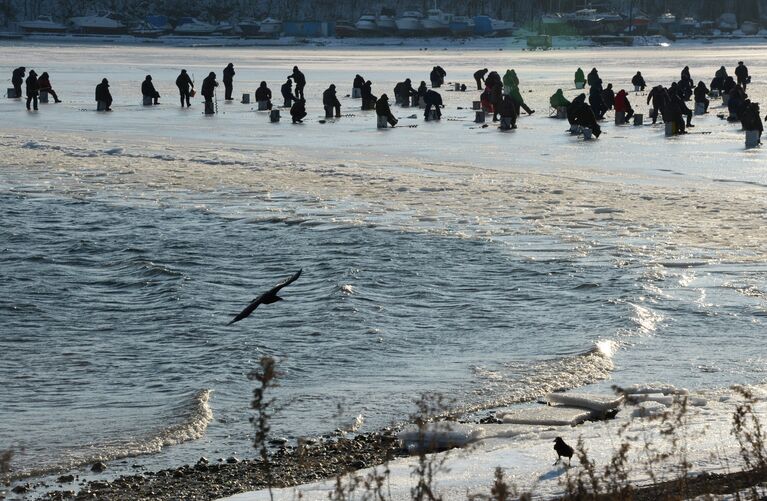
x,y
410,23
189,26
271,27
101,23
249,27
43,24
436,22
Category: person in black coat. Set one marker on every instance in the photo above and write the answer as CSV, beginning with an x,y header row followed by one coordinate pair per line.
x,y
287,92
595,99
103,94
741,72
298,110
682,106
593,77
330,102
580,113
185,87
358,83
432,99
729,84
437,77
672,112
701,95
750,118
422,89
208,89
300,81
638,81
658,96
608,97
479,77
737,97
148,90
33,90
228,81
403,91
17,79
263,93
368,99
507,109
383,110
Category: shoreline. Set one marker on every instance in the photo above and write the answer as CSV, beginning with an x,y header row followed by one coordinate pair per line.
x,y
310,461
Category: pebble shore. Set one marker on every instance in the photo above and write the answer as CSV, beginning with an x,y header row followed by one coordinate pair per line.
x,y
208,480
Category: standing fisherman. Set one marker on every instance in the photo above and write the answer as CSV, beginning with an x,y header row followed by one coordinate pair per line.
x,y
228,79
32,89
208,88
300,81
18,79
185,87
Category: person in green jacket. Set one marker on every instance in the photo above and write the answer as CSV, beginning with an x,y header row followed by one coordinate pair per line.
x,y
580,77
510,79
558,100
517,97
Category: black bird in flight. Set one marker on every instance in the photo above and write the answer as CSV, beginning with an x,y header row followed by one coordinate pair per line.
x,y
268,297
563,450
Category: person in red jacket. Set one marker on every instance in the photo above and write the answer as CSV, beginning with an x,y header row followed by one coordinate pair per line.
x,y
44,84
622,104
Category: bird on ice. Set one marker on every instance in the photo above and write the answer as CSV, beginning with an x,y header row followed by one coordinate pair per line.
x,y
268,297
563,450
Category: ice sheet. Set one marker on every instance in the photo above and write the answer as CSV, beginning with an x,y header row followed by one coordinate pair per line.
x,y
591,401
547,415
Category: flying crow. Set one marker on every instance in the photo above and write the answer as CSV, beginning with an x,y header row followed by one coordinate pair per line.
x,y
268,297
563,450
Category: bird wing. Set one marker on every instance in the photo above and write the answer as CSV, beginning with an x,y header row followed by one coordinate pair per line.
x,y
285,282
248,309
260,299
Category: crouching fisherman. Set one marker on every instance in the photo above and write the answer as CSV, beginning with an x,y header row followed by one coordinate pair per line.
x,y
264,94
383,110
750,118
433,99
508,111
298,110
580,113
148,90
104,96
330,102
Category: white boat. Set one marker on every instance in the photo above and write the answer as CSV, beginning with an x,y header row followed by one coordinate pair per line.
x,y
666,19
249,27
436,22
386,21
43,24
688,25
501,28
103,22
190,26
271,27
366,24
410,23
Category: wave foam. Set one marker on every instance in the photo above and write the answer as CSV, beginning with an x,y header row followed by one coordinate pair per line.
x,y
193,418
